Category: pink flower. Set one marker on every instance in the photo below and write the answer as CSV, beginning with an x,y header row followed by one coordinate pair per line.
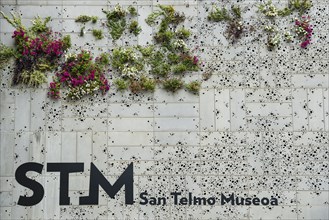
x,y
195,60
305,43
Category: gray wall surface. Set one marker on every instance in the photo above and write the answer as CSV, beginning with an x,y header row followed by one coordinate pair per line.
x,y
260,126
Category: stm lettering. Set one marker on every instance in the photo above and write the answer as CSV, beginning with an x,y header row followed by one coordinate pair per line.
x,y
96,179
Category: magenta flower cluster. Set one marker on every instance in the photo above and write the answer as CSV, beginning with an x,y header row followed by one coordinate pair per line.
x,y
304,30
81,75
42,45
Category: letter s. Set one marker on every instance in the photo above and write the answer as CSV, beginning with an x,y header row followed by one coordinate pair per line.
x,y
33,185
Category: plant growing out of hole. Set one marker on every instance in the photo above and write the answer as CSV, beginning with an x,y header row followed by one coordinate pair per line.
x,y
37,50
86,18
98,34
235,26
173,84
116,20
81,75
193,87
135,28
304,30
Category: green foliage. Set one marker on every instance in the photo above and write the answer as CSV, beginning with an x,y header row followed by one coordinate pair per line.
x,y
269,10
37,50
5,54
235,26
39,25
284,12
193,86
148,84
33,79
168,56
173,84
135,28
218,14
117,28
159,66
66,42
82,31
116,21
169,18
300,5
121,84
174,58
16,20
183,33
98,34
179,68
86,18
236,11
103,59
146,51
132,10
127,62
83,18
164,37
94,19
151,19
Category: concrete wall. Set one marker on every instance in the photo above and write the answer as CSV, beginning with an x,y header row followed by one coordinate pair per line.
x,y
258,128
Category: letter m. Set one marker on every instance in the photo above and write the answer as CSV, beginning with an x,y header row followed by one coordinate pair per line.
x,y
97,179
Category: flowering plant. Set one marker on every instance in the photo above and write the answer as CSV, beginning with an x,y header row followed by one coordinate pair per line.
x,y
38,49
304,30
81,75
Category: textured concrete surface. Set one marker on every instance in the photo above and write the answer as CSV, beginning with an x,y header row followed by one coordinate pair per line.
x,y
260,126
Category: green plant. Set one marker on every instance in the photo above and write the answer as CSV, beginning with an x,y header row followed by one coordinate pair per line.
x,y
85,19
103,59
132,10
146,51
116,21
179,68
82,31
142,67
183,33
39,25
94,19
127,62
218,14
16,20
98,34
268,9
37,50
66,42
121,84
34,78
5,54
300,5
235,27
169,18
273,41
193,86
135,28
173,84
148,84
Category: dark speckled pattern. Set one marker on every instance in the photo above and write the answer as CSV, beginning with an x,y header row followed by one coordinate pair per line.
x,y
260,126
